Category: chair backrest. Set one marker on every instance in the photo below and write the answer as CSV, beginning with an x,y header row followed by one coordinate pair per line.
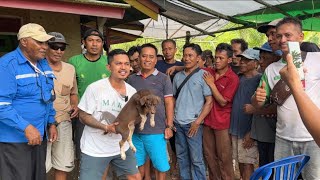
x,y
286,167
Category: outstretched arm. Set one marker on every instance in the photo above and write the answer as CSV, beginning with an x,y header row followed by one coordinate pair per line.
x,y
307,109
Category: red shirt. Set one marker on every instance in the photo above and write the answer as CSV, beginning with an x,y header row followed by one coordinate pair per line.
x,y
227,85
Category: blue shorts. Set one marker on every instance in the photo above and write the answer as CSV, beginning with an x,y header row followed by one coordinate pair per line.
x,y
94,167
153,146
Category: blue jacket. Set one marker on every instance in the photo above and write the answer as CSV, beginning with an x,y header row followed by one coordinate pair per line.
x,y
25,96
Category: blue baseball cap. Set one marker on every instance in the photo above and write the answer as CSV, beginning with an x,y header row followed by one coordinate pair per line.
x,y
267,48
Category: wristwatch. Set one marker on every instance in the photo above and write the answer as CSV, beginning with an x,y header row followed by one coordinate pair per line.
x,y
54,123
171,127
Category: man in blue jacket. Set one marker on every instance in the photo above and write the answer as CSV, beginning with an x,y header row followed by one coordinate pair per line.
x,y
26,109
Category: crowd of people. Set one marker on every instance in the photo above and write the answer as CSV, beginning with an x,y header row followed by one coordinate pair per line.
x,y
216,107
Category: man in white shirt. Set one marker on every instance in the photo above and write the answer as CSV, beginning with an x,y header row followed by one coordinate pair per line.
x,y
100,104
292,137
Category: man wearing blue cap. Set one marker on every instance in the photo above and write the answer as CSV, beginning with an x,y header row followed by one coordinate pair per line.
x,y
244,148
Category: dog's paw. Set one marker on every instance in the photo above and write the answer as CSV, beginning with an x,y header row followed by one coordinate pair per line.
x,y
152,123
123,156
134,149
141,127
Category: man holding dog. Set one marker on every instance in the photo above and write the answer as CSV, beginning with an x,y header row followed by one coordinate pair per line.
x,y
103,97
151,141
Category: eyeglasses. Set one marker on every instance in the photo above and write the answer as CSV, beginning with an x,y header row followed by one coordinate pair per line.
x,y
55,47
46,96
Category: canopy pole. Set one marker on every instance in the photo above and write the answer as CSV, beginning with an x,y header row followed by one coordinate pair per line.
x,y
189,25
219,15
167,29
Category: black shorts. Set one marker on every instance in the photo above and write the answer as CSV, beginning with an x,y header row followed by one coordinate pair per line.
x,y
22,161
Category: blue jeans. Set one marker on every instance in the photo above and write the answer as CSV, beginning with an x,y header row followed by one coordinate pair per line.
x,y
285,148
189,153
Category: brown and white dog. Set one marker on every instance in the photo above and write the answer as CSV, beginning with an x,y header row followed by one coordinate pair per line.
x,y
134,112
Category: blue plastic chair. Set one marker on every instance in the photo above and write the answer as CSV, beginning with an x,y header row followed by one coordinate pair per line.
x,y
286,165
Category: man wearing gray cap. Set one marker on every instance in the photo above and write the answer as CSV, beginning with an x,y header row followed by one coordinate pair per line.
x,y
26,108
60,154
244,148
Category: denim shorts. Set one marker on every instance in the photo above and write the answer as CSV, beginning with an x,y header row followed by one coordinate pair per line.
x,y
153,146
93,167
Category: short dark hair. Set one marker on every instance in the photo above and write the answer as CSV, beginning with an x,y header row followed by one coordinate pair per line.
x,y
244,44
160,55
133,50
290,20
225,47
115,52
169,40
150,46
194,47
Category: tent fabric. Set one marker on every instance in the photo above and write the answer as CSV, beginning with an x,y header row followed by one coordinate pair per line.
x,y
213,15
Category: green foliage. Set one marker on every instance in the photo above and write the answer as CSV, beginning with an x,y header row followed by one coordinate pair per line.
x,y
296,59
252,36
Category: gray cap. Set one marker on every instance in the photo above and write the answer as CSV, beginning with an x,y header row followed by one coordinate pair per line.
x,y
58,38
264,28
250,54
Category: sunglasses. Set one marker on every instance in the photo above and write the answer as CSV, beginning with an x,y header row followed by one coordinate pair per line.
x,y
55,47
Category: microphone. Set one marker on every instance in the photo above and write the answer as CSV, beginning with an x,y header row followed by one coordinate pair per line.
x,y
126,98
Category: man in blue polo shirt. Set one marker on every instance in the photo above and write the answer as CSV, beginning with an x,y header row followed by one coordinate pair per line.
x,y
193,104
26,109
151,141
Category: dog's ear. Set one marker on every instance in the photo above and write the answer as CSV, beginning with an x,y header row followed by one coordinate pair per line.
x,y
136,98
143,100
157,99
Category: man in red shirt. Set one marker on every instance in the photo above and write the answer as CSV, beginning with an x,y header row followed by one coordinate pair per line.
x,y
216,141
